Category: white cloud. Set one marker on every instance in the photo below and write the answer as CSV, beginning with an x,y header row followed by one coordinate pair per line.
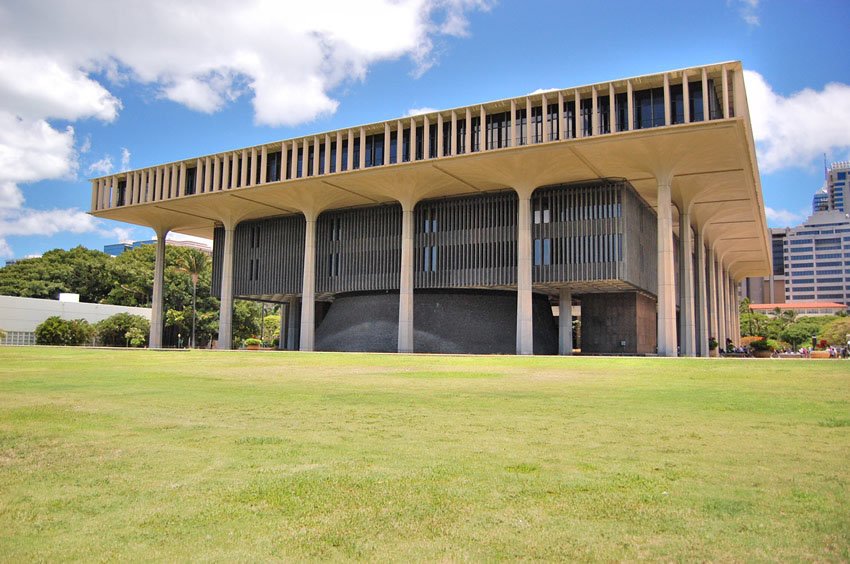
x,y
542,91
5,250
783,217
288,56
748,10
102,167
202,54
125,158
419,111
796,130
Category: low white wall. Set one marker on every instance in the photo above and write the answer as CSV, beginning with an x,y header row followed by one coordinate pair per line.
x,y
25,314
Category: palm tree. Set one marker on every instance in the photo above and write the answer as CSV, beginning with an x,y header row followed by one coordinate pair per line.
x,y
194,263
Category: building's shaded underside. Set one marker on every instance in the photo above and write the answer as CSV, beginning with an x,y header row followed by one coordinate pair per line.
x,y
590,238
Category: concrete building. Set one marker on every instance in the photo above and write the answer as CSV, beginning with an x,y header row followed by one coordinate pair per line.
x,y
454,231
19,317
838,186
116,249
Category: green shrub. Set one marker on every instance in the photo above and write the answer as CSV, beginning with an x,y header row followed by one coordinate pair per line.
x,y
112,331
57,331
764,345
252,342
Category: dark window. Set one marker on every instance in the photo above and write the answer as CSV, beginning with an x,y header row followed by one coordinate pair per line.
x,y
122,193
393,147
432,141
191,176
622,111
356,158
322,150
273,164
522,127
344,155
300,170
498,130
311,156
430,223
535,127
374,150
405,146
460,139
420,142
586,109
649,108
332,164
447,138
677,105
569,120
552,120
603,114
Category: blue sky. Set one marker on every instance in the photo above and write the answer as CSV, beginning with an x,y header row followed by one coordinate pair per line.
x,y
133,84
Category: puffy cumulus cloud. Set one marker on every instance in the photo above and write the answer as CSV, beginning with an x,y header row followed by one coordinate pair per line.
x,y
782,218
5,250
101,167
748,10
419,111
125,158
203,54
796,130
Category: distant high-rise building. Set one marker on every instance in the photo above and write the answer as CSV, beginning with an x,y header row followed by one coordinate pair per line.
x,y
820,201
837,186
816,259
116,249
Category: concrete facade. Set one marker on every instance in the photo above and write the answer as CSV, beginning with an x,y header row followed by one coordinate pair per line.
x,y
680,141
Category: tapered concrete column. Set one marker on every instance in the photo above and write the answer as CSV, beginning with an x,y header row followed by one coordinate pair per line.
x,y
243,168
579,129
281,340
293,323
349,152
666,280
252,174
565,322
308,287
524,323
234,170
264,159
405,294
706,115
721,305
130,189
426,138
440,147
225,314
732,309
181,187
771,291
686,97
594,111
200,173
514,136
467,133
724,80
412,139
562,125
702,295
399,142
225,173
453,140
215,185
612,109
630,104
337,157
714,325
667,105
155,339
316,156
157,185
361,164
687,308
482,130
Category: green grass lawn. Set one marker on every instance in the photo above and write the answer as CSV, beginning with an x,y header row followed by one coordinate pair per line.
x,y
256,456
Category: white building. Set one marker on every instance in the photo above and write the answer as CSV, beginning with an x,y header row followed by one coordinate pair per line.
x,y
20,316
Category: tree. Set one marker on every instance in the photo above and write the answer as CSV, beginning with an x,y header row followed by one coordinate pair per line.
x,y
836,331
57,331
80,270
113,330
193,263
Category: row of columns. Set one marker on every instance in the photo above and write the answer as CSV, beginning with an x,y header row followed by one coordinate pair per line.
x,y
222,172
710,309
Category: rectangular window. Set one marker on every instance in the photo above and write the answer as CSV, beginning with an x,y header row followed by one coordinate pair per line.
x,y
420,142
586,109
603,114
405,146
621,102
393,147
677,105
356,157
122,193
476,134
447,138
460,138
535,128
552,121
300,165
432,141
522,127
649,108
333,157
344,155
322,150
